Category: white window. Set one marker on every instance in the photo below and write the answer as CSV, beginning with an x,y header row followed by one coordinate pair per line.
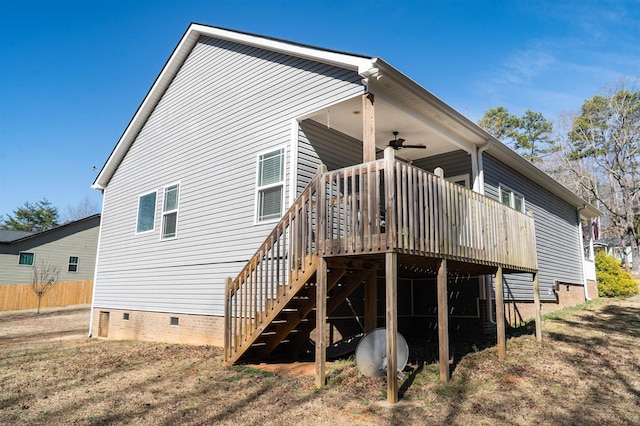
x,y
270,185
146,212
511,198
462,180
26,258
73,264
170,211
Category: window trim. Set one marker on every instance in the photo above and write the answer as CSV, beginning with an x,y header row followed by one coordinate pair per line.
x,y
512,194
33,259
77,264
258,188
155,208
164,213
457,178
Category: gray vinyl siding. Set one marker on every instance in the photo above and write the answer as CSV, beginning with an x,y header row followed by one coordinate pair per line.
x,y
557,238
453,163
227,104
79,239
319,144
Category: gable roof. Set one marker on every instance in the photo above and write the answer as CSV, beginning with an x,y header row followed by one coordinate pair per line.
x,y
9,236
358,63
367,67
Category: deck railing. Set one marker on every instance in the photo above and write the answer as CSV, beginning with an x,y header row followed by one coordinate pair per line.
x,y
418,213
376,207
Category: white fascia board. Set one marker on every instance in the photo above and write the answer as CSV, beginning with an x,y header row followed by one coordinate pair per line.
x,y
496,148
357,63
344,60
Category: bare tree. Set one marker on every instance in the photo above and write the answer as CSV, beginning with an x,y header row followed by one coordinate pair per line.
x,y
85,208
43,277
601,155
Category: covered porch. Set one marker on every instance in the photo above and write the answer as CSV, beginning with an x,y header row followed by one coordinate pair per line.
x,y
347,224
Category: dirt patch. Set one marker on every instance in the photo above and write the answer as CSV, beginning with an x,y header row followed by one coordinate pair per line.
x,y
289,369
586,371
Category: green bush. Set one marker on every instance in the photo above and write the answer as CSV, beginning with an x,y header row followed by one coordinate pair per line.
x,y
613,281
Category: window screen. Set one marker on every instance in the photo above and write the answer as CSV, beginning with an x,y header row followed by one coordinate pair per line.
x,y
170,211
270,185
146,212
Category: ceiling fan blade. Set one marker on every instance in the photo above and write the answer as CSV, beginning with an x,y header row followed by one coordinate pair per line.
x,y
414,146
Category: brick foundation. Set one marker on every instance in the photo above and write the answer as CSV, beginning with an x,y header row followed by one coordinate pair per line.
x,y
518,313
157,327
566,295
592,288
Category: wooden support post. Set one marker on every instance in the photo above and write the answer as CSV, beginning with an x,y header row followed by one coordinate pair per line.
x,y
321,321
536,300
227,319
368,128
500,323
443,321
391,272
390,196
371,302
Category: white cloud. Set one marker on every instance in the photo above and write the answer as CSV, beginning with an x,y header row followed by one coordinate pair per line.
x,y
522,67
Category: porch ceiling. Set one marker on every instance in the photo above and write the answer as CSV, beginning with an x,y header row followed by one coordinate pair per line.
x,y
346,117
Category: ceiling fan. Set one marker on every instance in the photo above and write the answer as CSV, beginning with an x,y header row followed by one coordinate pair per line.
x,y
399,143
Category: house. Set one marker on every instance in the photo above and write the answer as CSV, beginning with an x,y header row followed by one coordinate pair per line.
x,y
261,185
69,248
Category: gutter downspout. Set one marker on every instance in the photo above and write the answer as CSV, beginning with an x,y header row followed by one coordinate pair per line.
x,y
482,149
95,272
580,232
478,186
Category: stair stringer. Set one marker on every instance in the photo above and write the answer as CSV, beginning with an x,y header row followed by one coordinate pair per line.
x,y
276,306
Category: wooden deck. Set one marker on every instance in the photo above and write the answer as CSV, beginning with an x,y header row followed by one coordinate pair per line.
x,y
369,210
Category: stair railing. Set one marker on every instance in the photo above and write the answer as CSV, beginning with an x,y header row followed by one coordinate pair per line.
x,y
272,273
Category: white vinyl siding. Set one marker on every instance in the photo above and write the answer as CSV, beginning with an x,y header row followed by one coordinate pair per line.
x,y
170,211
270,185
557,236
146,212
206,132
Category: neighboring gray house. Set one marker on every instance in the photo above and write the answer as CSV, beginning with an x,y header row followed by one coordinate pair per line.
x,y
232,131
70,247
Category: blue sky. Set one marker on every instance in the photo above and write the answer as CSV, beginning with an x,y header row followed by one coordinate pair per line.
x,y
72,73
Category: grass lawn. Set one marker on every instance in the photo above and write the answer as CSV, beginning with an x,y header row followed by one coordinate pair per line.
x,y
586,371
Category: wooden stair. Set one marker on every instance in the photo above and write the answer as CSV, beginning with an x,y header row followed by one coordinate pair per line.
x,y
356,213
272,289
291,322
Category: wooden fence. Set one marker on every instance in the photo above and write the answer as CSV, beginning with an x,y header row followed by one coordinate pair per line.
x,y
64,293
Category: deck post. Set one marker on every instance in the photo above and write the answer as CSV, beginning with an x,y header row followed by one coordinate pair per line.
x,y
536,300
321,321
443,321
371,302
500,323
368,128
390,196
227,319
391,272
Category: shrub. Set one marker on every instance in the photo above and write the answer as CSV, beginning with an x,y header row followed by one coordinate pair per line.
x,y
613,281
